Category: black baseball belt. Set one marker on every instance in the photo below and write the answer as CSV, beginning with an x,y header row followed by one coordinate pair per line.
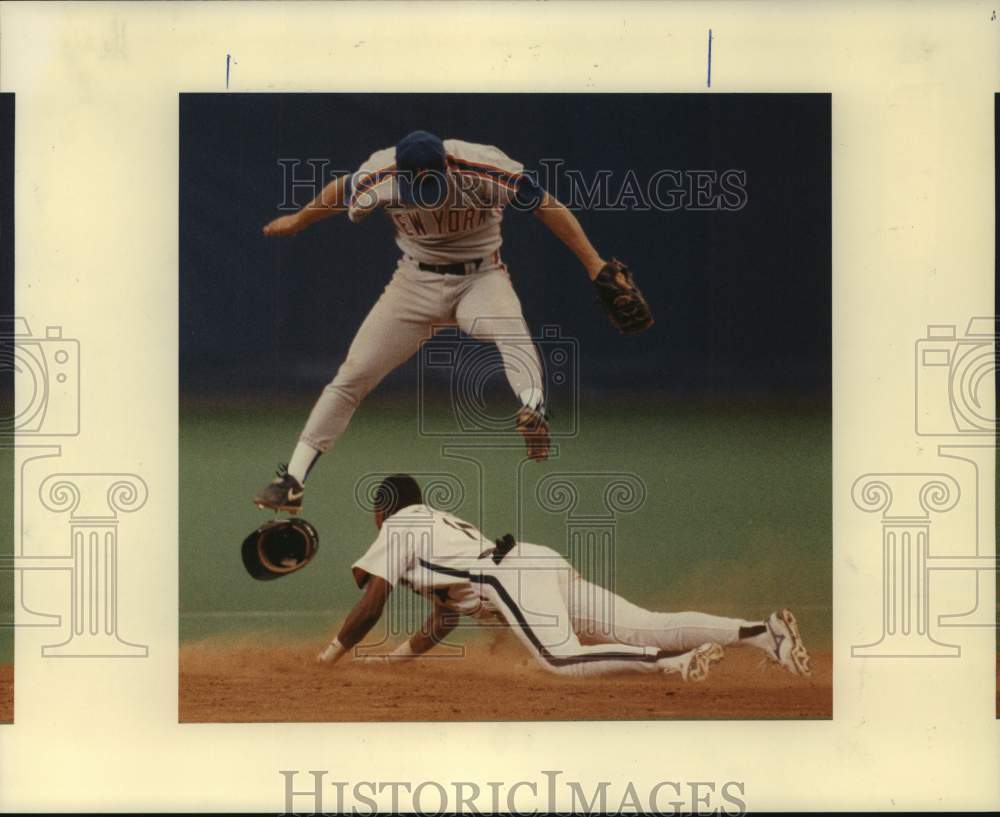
x,y
457,268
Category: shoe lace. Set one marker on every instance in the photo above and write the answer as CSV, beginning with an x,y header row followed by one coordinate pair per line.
x,y
282,472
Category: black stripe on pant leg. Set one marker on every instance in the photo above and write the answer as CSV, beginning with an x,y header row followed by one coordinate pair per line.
x,y
554,660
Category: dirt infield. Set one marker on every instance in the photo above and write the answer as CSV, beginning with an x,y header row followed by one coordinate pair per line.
x,y
6,693
493,682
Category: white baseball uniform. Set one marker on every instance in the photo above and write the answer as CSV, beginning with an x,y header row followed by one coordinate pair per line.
x,y
547,604
465,230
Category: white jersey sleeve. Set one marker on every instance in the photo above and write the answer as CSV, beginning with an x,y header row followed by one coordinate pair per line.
x,y
422,548
389,558
372,184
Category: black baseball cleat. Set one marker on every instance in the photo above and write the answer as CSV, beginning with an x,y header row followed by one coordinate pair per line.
x,y
534,427
283,493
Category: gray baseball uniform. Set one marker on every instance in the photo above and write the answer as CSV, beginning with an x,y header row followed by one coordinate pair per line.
x,y
465,230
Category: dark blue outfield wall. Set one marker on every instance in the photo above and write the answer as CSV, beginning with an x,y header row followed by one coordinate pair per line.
x,y
720,202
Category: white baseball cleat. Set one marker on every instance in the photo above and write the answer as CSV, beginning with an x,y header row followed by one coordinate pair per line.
x,y
788,649
700,661
695,664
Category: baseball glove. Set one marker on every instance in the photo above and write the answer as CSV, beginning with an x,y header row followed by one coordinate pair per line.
x,y
279,547
621,298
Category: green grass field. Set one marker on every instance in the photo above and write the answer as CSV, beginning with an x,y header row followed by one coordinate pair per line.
x,y
737,518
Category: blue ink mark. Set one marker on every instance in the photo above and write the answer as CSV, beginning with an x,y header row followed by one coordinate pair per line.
x,y
227,71
710,58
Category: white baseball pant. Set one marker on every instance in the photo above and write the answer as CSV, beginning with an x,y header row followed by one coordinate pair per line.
x,y
573,627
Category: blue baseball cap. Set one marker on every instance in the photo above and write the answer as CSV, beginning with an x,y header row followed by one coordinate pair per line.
x,y
420,153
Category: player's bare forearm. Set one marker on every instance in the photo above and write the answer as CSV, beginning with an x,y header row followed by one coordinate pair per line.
x,y
331,199
554,215
359,622
366,613
439,624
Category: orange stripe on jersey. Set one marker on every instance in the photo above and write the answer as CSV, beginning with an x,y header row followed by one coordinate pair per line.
x,y
490,178
500,170
374,178
504,178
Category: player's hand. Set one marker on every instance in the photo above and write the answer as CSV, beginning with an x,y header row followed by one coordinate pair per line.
x,y
284,225
594,267
331,654
324,658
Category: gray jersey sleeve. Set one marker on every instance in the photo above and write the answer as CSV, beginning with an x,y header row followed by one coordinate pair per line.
x,y
371,184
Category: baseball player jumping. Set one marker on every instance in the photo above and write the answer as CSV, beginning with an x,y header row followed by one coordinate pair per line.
x,y
446,200
570,626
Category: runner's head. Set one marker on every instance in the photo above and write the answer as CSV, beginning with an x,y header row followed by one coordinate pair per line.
x,y
394,493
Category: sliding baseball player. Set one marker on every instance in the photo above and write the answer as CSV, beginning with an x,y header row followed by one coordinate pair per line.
x,y
446,200
570,626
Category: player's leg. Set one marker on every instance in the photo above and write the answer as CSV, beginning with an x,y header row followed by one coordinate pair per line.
x,y
386,339
391,333
526,593
489,309
602,617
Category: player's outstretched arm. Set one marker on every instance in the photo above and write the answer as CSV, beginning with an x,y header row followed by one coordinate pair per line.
x,y
363,616
564,224
331,199
439,623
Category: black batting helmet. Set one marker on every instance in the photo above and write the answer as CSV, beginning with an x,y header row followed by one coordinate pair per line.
x,y
279,547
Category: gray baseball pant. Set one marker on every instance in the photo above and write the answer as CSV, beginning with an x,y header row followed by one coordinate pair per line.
x,y
483,305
